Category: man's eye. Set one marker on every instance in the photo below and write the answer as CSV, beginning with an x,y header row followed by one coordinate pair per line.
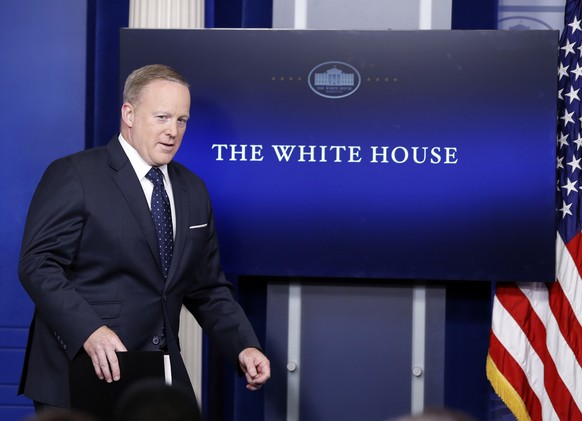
x,y
162,117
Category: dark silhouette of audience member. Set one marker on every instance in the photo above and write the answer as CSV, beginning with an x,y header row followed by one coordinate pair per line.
x,y
155,401
61,415
437,414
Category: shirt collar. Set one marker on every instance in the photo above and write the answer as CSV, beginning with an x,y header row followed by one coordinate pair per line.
x,y
140,167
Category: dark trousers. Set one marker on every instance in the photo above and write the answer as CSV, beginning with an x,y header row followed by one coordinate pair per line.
x,y
40,407
46,412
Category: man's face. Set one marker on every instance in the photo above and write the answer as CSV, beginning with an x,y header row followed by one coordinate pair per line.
x,y
156,124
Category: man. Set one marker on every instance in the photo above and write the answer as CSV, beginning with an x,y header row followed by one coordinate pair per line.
x,y
101,278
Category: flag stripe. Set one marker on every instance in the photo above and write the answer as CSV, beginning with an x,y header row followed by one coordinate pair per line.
x,y
568,271
514,356
520,402
512,308
559,373
562,310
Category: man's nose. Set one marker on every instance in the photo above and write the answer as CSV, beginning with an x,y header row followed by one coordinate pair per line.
x,y
172,130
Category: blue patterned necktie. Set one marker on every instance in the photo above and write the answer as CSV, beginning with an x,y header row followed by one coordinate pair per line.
x,y
162,216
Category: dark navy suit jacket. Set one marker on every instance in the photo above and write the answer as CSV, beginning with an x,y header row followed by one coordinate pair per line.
x,y
90,258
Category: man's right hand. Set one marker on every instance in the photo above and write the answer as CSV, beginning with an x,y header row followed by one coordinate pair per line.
x,y
101,347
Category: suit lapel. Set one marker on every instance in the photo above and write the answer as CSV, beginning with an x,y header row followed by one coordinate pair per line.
x,y
127,182
181,206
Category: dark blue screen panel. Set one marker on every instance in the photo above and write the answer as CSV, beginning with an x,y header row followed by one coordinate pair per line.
x,y
371,154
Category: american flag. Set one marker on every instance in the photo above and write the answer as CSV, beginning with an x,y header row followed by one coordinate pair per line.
x,y
535,352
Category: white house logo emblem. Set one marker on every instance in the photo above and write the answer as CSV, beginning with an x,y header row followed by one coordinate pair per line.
x,y
334,79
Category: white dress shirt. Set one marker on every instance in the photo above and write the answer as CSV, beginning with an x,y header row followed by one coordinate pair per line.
x,y
141,168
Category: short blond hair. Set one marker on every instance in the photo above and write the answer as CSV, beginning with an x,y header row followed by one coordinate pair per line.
x,y
140,78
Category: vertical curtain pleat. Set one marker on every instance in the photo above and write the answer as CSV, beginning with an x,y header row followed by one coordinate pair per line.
x,y
164,14
104,18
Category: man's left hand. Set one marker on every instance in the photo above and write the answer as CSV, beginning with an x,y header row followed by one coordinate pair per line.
x,y
256,367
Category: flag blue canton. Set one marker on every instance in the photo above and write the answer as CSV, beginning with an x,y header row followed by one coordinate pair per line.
x,y
569,138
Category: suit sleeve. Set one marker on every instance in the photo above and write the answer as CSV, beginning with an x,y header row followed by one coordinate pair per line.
x,y
212,303
53,229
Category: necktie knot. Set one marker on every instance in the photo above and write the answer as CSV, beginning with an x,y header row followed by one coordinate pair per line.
x,y
155,176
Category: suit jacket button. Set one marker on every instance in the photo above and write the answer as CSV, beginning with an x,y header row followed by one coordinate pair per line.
x,y
156,340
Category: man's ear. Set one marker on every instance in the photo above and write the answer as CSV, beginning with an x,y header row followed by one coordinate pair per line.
x,y
127,114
